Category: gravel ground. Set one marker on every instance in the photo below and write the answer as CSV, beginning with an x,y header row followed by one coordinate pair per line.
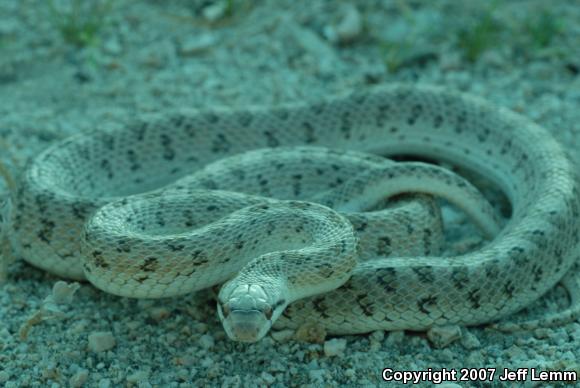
x,y
65,70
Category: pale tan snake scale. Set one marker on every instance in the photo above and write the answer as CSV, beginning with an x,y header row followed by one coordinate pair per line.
x,y
66,184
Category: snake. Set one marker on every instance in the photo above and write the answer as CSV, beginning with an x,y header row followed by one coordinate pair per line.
x,y
297,213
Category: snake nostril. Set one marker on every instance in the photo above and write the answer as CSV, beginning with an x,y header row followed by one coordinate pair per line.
x,y
268,313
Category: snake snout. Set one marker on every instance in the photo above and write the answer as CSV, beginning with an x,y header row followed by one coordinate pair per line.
x,y
245,313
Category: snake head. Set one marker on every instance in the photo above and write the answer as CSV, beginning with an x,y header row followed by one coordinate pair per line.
x,y
246,312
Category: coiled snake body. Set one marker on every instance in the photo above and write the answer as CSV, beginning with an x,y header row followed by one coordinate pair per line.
x,y
77,211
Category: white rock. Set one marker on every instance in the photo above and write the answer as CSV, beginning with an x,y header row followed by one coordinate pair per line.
x,y
138,377
316,375
207,362
182,374
79,378
268,378
350,26
334,347
313,44
282,335
376,340
63,292
206,341
159,313
194,44
214,12
4,376
104,383
350,372
101,341
568,356
441,336
377,336
395,337
113,47
470,341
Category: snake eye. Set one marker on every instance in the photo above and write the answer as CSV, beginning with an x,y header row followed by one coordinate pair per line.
x,y
225,310
268,312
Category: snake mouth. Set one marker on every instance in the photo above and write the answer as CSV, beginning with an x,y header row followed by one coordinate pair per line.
x,y
246,326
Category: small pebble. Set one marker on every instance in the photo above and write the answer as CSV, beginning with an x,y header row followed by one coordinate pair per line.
x,y
138,377
4,376
441,336
206,341
215,11
334,347
101,341
159,313
377,336
194,44
268,378
104,383
349,28
79,378
112,46
63,292
207,362
395,337
316,375
282,335
470,341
